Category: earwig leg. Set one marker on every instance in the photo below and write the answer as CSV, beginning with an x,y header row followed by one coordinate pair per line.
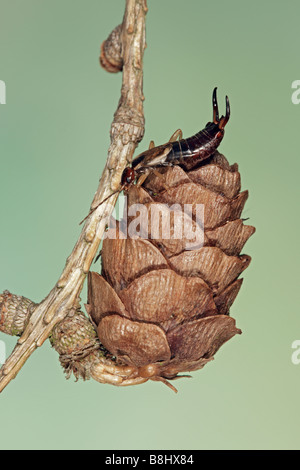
x,y
215,107
142,178
151,145
159,175
175,136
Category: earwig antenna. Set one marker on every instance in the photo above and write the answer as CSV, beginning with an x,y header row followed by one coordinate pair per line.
x,y
104,200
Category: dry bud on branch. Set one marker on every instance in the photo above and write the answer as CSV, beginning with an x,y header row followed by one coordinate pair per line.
x,y
111,52
15,311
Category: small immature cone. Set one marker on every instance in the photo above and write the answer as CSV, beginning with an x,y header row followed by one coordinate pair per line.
x,y
74,338
161,304
76,342
15,311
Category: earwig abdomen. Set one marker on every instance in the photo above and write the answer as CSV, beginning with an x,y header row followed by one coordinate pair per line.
x,y
190,152
187,153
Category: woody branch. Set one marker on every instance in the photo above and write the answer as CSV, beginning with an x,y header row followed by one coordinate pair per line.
x,y
123,50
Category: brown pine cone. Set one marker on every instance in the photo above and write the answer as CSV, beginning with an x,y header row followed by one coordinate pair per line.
x,y
161,304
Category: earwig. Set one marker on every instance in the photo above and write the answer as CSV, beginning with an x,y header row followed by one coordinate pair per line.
x,y
187,153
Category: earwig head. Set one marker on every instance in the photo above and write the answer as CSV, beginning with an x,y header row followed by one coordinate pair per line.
x,y
128,177
224,119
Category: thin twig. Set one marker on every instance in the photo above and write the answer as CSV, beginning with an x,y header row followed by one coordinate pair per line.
x,y
126,132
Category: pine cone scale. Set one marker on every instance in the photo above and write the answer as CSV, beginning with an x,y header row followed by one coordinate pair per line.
x,y
134,343
216,268
201,338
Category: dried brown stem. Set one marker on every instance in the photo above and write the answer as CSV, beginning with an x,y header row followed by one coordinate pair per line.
x,y
126,132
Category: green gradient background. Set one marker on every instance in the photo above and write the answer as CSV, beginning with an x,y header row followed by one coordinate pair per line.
x,y
54,136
